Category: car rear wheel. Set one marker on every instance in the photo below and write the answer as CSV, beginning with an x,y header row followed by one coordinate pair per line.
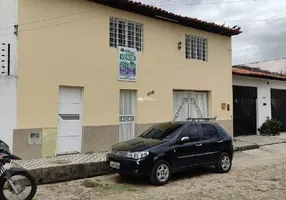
x,y
161,173
224,163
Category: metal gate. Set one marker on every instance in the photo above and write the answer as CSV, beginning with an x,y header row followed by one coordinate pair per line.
x,y
127,115
244,110
278,106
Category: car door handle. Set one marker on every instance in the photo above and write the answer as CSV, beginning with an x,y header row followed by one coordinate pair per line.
x,y
198,145
220,141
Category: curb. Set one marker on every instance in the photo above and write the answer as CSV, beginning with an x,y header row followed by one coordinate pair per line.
x,y
69,172
282,142
247,147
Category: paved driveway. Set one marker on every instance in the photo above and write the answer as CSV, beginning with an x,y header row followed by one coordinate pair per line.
x,y
256,174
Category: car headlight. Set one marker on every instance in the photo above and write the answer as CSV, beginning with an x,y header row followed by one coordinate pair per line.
x,y
138,155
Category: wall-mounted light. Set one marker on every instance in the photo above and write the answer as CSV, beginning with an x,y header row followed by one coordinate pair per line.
x,y
179,45
16,29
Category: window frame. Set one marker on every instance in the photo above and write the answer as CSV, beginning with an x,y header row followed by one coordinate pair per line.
x,y
177,131
196,48
137,35
202,132
180,136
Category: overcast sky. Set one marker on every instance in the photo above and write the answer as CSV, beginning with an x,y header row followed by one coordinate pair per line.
x,y
263,23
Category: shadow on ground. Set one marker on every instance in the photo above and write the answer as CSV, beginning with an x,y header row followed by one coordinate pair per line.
x,y
144,181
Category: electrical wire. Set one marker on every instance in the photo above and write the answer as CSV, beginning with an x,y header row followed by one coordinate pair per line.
x,y
238,57
52,18
90,10
256,20
58,24
258,46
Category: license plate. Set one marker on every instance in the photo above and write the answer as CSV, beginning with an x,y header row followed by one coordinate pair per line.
x,y
115,165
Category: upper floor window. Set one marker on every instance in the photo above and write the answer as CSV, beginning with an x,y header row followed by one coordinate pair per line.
x,y
196,48
125,33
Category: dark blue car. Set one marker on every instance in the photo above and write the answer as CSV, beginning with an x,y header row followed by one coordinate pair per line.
x,y
170,147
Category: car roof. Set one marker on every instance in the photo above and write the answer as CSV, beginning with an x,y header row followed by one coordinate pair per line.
x,y
193,122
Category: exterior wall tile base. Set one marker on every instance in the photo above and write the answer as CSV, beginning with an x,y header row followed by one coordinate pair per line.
x,y
94,139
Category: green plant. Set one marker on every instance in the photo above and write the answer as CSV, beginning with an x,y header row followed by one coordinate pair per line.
x,y
91,184
107,187
270,127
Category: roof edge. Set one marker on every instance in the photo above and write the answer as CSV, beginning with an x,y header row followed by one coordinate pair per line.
x,y
160,14
258,73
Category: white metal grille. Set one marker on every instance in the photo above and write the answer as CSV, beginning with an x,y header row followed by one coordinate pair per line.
x,y
127,115
125,33
196,48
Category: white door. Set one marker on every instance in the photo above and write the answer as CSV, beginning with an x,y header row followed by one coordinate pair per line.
x,y
127,115
190,110
69,121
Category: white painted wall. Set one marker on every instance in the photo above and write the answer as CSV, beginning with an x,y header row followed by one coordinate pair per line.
x,y
276,65
264,87
7,109
8,18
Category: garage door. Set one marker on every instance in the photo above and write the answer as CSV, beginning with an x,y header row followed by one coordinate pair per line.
x,y
190,110
278,106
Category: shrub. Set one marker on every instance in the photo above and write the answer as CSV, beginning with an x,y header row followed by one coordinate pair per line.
x,y
270,127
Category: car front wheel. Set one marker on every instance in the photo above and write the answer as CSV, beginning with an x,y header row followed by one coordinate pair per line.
x,y
161,173
224,163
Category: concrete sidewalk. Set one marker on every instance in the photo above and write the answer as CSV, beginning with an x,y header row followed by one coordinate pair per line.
x,y
260,140
77,166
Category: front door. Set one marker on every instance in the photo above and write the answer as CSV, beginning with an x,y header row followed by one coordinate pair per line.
x,y
69,120
186,152
127,115
244,110
211,145
278,106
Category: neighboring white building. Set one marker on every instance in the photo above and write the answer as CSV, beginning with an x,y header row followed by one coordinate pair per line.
x,y
8,58
275,65
257,95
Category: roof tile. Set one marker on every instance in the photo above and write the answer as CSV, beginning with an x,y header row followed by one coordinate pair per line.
x,y
152,11
255,72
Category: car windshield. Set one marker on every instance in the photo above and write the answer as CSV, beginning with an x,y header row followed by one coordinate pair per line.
x,y
162,131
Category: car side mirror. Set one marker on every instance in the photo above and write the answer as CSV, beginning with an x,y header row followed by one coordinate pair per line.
x,y
184,139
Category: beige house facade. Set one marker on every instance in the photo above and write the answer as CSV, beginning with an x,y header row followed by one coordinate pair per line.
x,y
75,91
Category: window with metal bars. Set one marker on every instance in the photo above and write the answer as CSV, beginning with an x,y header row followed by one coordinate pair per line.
x,y
125,33
196,48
